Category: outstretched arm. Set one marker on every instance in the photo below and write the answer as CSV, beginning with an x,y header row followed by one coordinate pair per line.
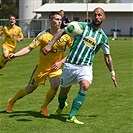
x,y
109,63
21,52
48,48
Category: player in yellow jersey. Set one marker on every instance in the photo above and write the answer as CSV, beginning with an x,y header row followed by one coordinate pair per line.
x,y
49,66
12,34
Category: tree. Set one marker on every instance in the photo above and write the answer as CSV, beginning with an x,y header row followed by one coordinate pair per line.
x,y
9,7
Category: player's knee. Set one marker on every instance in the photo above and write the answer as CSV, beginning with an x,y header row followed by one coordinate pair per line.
x,y
30,89
84,85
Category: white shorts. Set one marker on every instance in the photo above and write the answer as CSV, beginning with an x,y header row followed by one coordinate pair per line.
x,y
73,74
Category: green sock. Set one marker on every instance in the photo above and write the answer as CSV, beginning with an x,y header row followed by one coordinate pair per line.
x,y
62,101
77,103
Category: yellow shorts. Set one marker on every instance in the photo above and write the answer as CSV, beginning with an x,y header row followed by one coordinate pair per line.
x,y
40,75
6,49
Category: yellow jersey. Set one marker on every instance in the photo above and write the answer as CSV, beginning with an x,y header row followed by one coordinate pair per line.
x,y
10,35
57,52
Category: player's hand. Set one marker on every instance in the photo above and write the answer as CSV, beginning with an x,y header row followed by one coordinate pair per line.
x,y
18,39
56,66
114,80
11,56
46,49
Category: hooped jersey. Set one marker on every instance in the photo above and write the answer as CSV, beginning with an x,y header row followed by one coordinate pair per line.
x,y
87,45
10,35
57,52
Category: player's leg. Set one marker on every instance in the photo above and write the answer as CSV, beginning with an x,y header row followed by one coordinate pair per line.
x,y
54,84
67,79
78,102
62,100
80,97
3,62
84,79
20,94
4,59
32,85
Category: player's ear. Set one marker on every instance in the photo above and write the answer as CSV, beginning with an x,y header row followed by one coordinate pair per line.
x,y
104,17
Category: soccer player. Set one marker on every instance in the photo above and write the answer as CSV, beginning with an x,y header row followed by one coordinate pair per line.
x,y
13,34
78,65
48,67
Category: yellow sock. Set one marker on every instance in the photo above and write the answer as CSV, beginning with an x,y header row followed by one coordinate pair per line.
x,y
3,62
49,97
21,93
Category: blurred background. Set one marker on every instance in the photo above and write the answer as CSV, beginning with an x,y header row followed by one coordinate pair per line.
x,y
32,15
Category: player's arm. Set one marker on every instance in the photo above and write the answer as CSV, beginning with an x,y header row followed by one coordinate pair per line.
x,y
21,36
48,48
1,33
109,63
108,60
21,52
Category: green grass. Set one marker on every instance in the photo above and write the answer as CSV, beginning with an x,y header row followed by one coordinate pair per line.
x,y
105,110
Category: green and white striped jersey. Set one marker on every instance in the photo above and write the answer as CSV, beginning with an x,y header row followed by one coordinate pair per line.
x,y
86,46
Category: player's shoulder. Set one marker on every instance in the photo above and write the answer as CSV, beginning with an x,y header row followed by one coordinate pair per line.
x,y
103,33
18,28
65,35
41,34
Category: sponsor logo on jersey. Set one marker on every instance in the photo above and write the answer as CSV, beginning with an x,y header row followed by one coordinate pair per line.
x,y
89,41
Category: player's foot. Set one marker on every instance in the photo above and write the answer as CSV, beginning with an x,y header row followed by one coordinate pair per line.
x,y
74,120
58,110
45,111
9,107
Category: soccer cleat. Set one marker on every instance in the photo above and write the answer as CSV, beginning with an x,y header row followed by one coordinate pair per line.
x,y
45,111
58,110
74,120
9,107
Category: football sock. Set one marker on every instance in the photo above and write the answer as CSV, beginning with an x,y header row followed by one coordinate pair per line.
x,y
62,101
3,62
49,97
77,103
21,93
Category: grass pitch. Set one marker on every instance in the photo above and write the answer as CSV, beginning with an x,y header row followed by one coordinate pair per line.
x,y
106,109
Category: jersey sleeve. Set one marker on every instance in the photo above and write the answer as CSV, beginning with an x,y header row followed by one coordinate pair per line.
x,y
35,43
69,41
105,47
20,32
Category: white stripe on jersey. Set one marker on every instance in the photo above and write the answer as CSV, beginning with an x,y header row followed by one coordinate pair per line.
x,y
95,45
86,29
95,35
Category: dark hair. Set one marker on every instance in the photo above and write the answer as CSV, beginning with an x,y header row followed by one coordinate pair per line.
x,y
51,14
12,16
61,10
